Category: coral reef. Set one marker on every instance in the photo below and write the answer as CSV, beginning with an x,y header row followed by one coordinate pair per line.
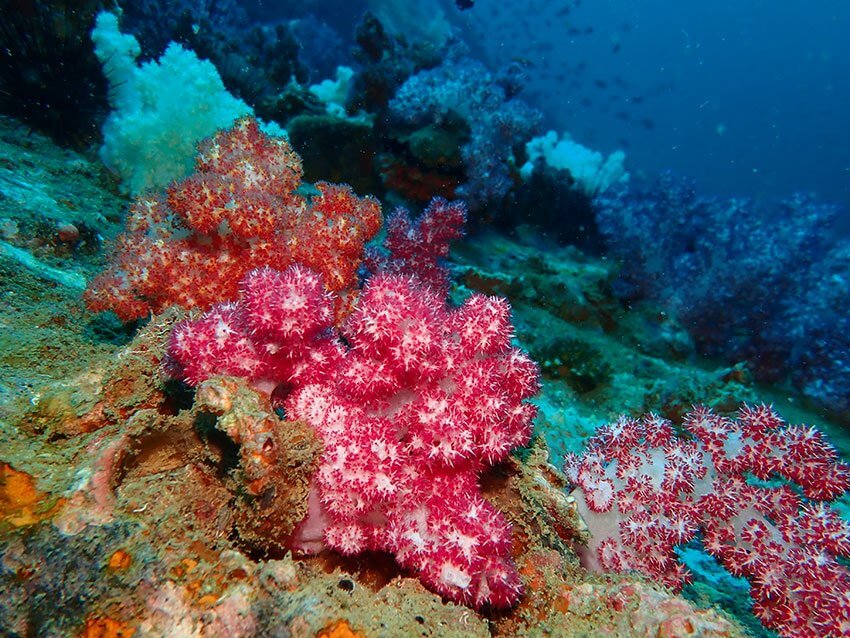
x,y
497,120
253,60
345,447
816,333
419,248
275,334
387,60
748,288
428,399
589,169
158,116
550,201
151,524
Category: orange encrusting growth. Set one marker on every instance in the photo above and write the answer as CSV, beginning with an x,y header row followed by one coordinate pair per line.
x,y
21,503
191,245
339,629
119,560
104,627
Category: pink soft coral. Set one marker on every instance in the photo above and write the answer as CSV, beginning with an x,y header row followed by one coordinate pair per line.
x,y
644,490
418,403
275,334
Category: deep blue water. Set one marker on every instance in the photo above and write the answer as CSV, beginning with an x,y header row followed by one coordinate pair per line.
x,y
749,98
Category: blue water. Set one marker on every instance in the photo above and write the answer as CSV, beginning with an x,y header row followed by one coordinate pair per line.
x,y
750,98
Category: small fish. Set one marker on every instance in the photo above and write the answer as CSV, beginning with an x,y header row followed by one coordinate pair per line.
x,y
616,48
601,84
524,62
464,4
635,99
563,11
647,123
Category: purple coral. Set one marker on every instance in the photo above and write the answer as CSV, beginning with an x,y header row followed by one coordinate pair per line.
x,y
498,121
750,282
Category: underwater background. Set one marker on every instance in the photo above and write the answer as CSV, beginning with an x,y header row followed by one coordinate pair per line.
x,y
747,99
431,318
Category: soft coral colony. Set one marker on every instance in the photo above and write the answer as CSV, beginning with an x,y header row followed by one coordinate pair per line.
x,y
410,412
241,209
414,399
644,490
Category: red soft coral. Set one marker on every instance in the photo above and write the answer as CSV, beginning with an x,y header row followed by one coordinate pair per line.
x,y
420,401
643,491
417,248
239,211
